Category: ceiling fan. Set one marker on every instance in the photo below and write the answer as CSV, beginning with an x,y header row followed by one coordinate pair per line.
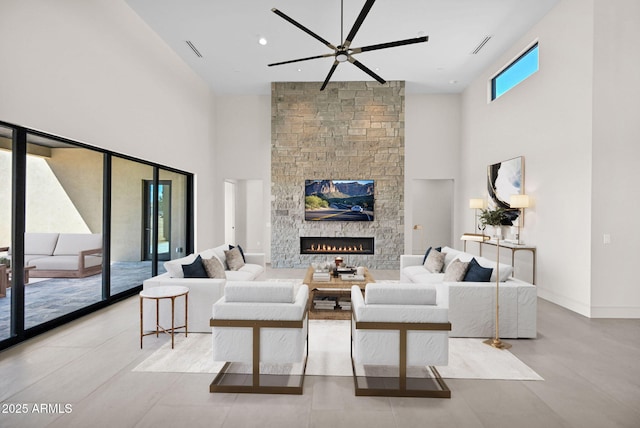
x,y
344,52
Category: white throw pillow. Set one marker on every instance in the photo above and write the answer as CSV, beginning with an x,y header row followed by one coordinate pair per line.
x,y
505,270
174,267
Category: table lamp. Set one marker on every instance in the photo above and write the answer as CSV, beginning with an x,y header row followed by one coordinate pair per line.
x,y
477,204
520,202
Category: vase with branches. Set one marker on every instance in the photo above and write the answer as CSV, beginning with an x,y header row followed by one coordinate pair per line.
x,y
492,217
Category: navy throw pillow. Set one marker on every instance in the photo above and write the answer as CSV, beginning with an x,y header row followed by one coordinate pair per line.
x,y
195,269
477,273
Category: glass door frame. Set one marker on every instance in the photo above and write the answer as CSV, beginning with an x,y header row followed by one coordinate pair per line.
x,y
18,333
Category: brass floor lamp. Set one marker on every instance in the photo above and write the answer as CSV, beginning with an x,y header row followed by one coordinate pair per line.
x,y
495,341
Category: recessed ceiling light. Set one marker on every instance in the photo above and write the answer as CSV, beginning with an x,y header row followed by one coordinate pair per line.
x,y
299,70
262,41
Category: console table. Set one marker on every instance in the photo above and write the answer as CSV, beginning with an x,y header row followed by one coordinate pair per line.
x,y
513,247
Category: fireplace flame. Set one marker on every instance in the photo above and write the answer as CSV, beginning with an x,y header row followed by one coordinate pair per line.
x,y
321,248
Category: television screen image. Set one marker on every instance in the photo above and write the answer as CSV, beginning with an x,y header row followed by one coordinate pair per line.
x,y
338,200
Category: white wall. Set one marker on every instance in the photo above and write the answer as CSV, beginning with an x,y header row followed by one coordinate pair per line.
x,y
432,148
548,120
94,72
243,152
616,149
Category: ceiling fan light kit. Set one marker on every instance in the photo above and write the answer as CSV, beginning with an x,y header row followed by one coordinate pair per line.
x,y
344,52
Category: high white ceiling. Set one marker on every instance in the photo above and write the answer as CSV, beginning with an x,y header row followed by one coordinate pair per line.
x,y
226,33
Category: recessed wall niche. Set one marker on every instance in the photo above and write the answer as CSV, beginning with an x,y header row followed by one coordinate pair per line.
x,y
351,130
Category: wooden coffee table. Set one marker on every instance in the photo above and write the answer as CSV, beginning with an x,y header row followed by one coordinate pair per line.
x,y
335,288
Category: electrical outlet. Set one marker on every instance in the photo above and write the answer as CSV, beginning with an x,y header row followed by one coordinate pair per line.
x,y
606,239
179,250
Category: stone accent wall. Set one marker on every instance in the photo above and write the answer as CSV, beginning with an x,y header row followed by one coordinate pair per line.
x,y
351,130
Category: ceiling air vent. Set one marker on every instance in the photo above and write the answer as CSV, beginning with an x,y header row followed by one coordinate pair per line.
x,y
481,45
193,48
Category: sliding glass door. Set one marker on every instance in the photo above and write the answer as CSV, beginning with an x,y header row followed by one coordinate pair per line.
x,y
63,229
80,228
129,263
172,216
6,196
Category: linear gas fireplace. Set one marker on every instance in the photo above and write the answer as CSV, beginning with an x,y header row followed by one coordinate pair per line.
x,y
336,245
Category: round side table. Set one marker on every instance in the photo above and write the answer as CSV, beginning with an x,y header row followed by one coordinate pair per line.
x,y
157,294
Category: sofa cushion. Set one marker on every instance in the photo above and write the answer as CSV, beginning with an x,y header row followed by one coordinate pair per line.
x,y
427,278
380,293
234,258
214,267
451,254
195,269
456,271
239,275
207,254
254,270
435,261
174,267
40,243
70,244
477,273
505,270
260,292
64,262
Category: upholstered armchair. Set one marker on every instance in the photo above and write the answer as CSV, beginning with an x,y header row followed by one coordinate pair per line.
x,y
395,327
261,322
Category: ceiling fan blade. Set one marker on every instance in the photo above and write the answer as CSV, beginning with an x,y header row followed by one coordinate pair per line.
x,y
366,70
333,68
356,25
303,28
390,44
302,59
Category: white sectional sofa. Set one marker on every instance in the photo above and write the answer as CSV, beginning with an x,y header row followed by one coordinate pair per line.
x,y
472,304
63,255
203,292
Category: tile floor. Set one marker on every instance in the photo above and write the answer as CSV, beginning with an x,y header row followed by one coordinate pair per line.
x,y
591,370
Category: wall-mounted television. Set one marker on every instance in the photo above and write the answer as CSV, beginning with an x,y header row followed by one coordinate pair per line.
x,y
339,200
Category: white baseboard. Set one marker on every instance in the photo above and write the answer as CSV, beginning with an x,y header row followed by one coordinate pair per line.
x,y
565,302
615,312
631,312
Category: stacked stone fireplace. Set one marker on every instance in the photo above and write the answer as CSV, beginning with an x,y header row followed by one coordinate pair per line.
x,y
349,131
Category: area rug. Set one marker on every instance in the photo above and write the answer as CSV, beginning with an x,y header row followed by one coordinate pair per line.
x,y
329,356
